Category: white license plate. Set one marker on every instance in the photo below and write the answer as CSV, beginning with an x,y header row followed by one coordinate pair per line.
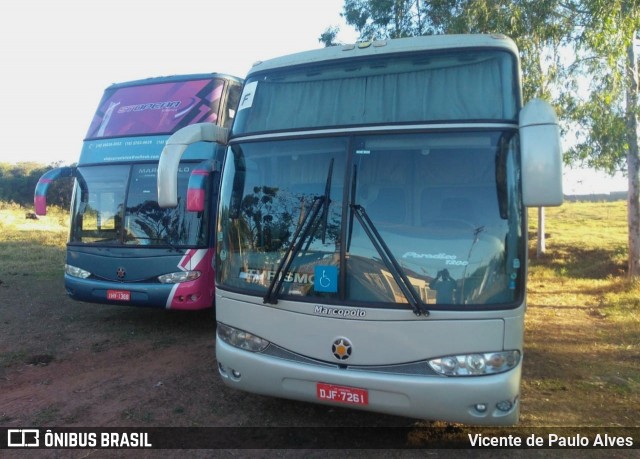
x,y
342,394
119,295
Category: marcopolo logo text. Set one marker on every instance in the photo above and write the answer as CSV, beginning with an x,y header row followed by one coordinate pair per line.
x,y
339,312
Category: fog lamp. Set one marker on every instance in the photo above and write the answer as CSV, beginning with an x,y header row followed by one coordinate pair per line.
x,y
481,407
504,405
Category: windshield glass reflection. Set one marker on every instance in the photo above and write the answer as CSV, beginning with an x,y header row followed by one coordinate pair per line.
x,y
445,205
117,205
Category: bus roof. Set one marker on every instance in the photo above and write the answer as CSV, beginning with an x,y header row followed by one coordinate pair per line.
x,y
173,78
382,47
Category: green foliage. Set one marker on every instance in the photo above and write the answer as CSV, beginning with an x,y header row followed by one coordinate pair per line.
x,y
328,37
540,29
18,183
377,19
599,113
599,128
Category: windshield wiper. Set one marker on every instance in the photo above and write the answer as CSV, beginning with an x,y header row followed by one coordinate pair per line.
x,y
390,261
327,201
308,225
324,218
386,255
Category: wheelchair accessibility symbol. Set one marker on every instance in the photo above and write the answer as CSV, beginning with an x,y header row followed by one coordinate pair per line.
x,y
325,279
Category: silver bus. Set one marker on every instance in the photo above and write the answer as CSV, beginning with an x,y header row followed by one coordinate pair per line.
x,y
372,233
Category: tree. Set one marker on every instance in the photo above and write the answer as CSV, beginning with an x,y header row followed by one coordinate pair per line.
x,y
379,19
375,19
329,36
540,28
18,182
608,116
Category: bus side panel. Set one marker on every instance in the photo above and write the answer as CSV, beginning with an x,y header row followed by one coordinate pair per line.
x,y
196,294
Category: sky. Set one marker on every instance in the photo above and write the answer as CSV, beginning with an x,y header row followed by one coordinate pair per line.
x,y
58,56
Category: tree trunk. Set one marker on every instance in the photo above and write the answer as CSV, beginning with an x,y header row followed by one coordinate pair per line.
x,y
542,246
633,161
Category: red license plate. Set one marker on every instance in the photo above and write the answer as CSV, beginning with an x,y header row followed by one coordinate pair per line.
x,y
119,295
342,394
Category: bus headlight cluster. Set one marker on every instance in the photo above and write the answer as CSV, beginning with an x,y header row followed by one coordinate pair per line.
x,y
241,339
476,364
178,277
76,272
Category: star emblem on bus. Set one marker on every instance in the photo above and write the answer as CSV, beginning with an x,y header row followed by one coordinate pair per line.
x,y
341,348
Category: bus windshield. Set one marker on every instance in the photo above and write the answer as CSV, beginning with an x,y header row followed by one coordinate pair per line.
x,y
446,205
117,205
463,85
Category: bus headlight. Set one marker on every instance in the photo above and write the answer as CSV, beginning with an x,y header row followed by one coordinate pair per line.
x,y
180,276
476,364
76,272
241,339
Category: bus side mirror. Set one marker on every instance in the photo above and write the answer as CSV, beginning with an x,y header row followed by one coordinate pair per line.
x,y
40,194
541,155
172,152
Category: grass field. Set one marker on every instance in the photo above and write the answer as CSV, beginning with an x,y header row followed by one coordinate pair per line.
x,y
32,247
583,322
582,343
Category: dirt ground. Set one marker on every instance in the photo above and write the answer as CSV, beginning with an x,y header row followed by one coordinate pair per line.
x,y
70,364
